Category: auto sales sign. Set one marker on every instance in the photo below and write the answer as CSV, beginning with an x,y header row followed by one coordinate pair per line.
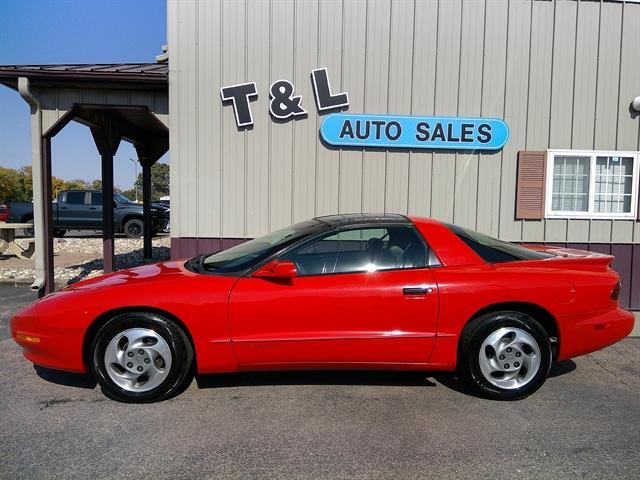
x,y
365,130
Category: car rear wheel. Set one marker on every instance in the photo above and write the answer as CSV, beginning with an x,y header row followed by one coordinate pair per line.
x,y
133,228
141,357
505,355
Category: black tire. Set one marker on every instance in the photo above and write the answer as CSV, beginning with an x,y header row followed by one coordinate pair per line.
x,y
58,233
133,228
28,232
480,329
179,345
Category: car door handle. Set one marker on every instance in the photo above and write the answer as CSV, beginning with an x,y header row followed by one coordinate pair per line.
x,y
92,208
417,290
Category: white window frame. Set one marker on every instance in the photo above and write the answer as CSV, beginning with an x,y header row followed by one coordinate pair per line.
x,y
551,154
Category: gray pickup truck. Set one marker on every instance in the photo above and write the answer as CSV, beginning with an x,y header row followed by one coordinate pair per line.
x,y
82,210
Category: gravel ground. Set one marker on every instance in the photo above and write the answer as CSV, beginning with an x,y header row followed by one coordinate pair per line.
x,y
79,258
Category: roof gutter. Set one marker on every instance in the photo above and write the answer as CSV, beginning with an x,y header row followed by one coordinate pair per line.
x,y
37,177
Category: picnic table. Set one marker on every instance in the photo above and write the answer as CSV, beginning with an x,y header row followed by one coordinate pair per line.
x,y
8,244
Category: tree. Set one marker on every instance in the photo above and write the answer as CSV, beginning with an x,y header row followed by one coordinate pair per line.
x,y
159,181
96,184
76,184
11,186
57,185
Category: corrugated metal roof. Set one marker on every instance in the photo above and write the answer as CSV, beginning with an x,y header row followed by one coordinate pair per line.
x,y
155,72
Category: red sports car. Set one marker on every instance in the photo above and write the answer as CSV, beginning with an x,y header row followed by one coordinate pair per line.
x,y
337,292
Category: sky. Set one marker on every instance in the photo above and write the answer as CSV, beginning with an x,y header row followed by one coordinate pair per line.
x,y
73,31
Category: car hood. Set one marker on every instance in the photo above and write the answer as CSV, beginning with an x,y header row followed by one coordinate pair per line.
x,y
157,272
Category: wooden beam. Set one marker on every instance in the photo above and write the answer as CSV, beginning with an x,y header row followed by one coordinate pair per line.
x,y
107,138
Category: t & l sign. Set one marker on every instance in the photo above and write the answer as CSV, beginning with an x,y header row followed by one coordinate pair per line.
x,y
363,130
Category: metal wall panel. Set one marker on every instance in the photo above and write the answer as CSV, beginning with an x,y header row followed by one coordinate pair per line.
x,y
446,103
492,105
354,27
423,102
211,123
306,130
376,89
281,149
472,43
399,99
233,145
329,55
515,112
561,74
258,138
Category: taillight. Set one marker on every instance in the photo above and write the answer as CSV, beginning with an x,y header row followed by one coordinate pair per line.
x,y
615,293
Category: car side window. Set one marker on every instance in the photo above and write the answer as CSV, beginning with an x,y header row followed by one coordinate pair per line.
x,y
361,250
96,198
75,198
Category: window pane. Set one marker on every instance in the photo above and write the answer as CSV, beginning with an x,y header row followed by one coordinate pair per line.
x,y
614,179
570,189
360,250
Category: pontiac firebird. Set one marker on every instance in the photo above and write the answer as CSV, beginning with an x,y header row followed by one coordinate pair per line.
x,y
358,291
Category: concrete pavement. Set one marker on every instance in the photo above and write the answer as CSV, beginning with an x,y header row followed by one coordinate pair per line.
x,y
583,423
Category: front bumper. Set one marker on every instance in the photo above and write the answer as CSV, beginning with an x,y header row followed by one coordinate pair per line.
x,y
45,344
594,332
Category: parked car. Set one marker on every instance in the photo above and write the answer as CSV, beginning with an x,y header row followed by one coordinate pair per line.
x,y
82,209
337,292
3,213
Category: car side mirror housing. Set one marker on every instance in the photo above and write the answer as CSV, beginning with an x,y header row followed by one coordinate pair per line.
x,y
277,269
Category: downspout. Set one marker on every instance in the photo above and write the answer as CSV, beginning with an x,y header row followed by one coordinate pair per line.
x,y
37,177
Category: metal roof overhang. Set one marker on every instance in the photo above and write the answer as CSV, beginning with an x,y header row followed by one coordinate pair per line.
x,y
132,76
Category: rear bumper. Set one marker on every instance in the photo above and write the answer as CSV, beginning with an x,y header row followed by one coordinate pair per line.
x,y
594,332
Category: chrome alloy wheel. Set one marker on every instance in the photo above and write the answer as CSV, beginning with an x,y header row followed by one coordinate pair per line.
x,y
138,359
509,358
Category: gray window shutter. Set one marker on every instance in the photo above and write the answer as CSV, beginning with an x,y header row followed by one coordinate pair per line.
x,y
530,190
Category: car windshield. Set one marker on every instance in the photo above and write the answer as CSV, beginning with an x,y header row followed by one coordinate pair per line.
x,y
248,254
493,250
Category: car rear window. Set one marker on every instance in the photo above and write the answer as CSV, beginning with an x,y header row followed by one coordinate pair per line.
x,y
492,250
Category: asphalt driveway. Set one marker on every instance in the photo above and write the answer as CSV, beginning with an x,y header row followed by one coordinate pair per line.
x,y
582,424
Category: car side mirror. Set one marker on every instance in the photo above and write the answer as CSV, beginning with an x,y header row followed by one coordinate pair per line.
x,y
277,269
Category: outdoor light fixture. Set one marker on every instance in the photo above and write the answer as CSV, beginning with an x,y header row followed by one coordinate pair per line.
x,y
636,104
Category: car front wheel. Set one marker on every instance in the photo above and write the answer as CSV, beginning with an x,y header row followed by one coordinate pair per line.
x,y
505,355
133,228
141,357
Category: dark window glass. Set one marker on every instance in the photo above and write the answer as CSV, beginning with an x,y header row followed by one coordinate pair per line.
x,y
493,250
361,250
75,198
248,254
96,199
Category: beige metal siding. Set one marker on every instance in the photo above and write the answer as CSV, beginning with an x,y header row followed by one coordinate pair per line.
x,y
562,75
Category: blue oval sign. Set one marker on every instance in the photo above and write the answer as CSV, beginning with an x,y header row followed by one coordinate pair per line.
x,y
397,131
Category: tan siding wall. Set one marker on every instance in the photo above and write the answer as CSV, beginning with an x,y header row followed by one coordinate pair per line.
x,y
561,74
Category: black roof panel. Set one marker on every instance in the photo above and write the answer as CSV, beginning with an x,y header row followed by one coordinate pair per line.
x,y
364,218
